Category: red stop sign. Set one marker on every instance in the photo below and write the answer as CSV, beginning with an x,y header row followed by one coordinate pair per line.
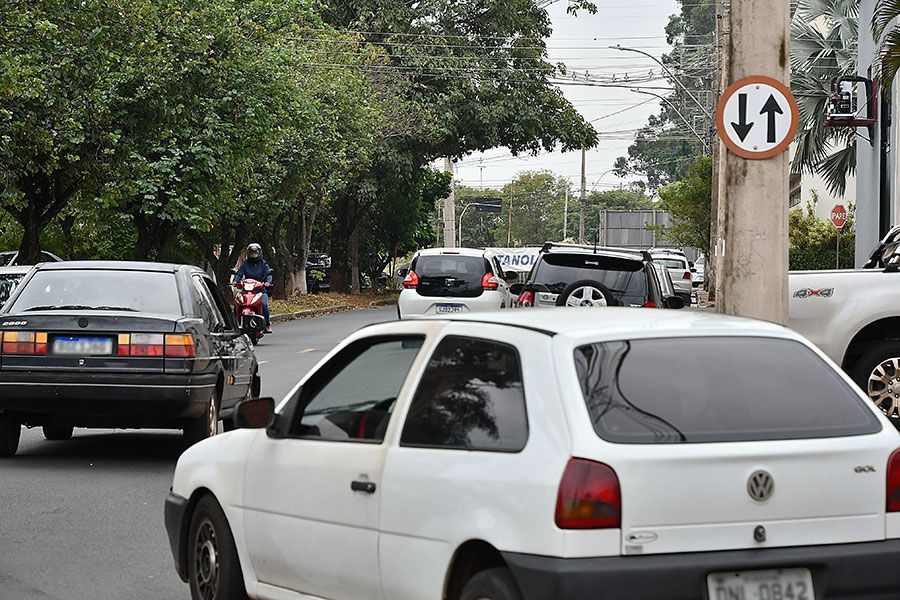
x,y
839,216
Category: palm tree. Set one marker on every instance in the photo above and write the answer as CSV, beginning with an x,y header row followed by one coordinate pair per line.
x,y
886,11
824,36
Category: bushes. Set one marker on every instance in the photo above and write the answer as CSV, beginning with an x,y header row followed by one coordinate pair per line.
x,y
813,241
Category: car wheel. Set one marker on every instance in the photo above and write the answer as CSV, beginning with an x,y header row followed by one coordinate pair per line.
x,y
877,372
214,569
10,432
586,292
57,433
206,426
492,584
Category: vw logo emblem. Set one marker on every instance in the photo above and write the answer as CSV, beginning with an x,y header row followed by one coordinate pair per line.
x,y
761,486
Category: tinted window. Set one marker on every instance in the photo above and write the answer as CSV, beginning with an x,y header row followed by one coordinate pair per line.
x,y
209,312
449,275
672,263
716,390
625,278
8,282
471,397
139,291
354,396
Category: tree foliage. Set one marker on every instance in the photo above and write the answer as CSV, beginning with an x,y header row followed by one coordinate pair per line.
x,y
689,201
813,242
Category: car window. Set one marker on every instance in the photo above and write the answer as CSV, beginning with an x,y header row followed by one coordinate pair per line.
x,y
139,291
352,397
672,263
450,275
625,278
223,310
471,397
209,312
716,390
8,282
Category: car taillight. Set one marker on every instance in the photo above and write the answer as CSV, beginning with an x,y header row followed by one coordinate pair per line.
x,y
24,342
893,482
175,345
489,282
588,497
411,281
650,304
687,276
526,299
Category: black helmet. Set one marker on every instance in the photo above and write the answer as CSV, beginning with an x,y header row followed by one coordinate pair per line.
x,y
254,251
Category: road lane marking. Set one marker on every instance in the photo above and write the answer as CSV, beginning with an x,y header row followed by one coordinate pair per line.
x,y
304,351
263,362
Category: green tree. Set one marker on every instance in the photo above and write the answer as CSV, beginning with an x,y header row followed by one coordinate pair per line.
x,y
689,201
537,200
479,229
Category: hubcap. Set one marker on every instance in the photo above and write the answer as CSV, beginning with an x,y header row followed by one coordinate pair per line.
x,y
884,387
206,560
586,296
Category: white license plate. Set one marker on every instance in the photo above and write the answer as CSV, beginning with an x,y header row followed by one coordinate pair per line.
x,y
443,309
776,584
83,346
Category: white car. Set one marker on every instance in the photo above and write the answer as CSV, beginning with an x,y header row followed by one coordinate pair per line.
x,y
616,454
699,271
680,270
444,281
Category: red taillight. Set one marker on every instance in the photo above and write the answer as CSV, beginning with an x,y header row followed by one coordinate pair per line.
x,y
893,482
687,276
650,304
526,299
589,497
24,342
489,282
175,345
411,281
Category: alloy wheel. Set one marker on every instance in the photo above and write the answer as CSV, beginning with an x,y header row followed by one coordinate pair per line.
x,y
586,296
884,387
206,560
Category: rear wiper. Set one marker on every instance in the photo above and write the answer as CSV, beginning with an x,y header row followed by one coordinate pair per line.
x,y
80,307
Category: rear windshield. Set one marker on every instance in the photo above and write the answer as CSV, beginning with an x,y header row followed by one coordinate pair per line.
x,y
669,391
449,275
672,263
8,283
626,279
137,291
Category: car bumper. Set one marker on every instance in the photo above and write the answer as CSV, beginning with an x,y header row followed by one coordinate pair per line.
x,y
411,304
105,399
861,571
176,528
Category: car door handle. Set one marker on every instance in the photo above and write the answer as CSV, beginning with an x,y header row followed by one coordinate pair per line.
x,y
363,486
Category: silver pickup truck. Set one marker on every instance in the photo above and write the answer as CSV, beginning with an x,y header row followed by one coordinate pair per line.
x,y
854,317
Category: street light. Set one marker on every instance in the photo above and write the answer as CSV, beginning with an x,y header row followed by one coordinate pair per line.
x,y
671,74
678,112
463,213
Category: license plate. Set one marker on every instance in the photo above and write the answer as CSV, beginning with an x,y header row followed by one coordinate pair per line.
x,y
443,309
777,584
83,346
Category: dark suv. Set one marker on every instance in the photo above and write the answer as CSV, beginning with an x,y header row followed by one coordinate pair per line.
x,y
571,275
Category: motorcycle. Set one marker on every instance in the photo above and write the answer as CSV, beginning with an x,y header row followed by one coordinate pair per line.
x,y
248,308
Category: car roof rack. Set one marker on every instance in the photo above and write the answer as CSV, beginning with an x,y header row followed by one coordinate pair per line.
x,y
595,248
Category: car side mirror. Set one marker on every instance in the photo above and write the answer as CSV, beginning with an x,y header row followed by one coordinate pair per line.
x,y
674,302
693,269
257,413
403,272
516,289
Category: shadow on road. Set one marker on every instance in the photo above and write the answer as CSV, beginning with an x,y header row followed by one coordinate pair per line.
x,y
123,447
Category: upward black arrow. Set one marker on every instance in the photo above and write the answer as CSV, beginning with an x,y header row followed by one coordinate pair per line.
x,y
742,128
772,108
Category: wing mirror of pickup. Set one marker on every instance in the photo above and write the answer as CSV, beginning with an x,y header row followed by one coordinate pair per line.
x,y
257,413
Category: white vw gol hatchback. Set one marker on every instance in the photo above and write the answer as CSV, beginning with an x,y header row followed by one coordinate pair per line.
x,y
624,454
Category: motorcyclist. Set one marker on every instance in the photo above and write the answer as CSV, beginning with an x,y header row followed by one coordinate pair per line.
x,y
254,267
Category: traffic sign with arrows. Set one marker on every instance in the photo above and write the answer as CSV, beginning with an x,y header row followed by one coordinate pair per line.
x,y
757,117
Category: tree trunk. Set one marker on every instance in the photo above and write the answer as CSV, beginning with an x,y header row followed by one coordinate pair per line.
x,y
340,259
30,247
354,254
66,225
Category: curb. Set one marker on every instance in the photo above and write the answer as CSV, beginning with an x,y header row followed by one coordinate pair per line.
x,y
385,302
313,312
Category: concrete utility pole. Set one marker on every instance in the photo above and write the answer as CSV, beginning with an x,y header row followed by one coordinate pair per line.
x,y
582,206
450,209
753,256
723,30
868,156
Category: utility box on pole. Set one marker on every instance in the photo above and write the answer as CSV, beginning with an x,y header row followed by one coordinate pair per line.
x,y
757,118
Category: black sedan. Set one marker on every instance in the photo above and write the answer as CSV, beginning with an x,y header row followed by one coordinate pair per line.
x,y
119,344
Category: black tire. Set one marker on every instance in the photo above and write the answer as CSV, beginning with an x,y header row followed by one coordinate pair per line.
x,y
492,584
10,432
607,294
878,356
209,537
204,427
57,433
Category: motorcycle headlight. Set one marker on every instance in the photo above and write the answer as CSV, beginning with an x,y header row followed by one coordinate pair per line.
x,y
248,287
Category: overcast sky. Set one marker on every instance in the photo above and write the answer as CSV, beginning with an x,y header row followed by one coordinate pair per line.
x,y
582,44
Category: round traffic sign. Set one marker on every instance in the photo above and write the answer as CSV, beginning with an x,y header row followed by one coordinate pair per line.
x,y
757,117
839,216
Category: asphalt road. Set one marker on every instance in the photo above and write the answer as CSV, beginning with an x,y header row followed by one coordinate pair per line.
x,y
83,519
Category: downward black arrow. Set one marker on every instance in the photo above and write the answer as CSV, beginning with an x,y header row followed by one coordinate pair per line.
x,y
743,127
772,107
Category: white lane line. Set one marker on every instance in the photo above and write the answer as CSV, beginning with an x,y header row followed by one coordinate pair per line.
x,y
263,362
305,350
